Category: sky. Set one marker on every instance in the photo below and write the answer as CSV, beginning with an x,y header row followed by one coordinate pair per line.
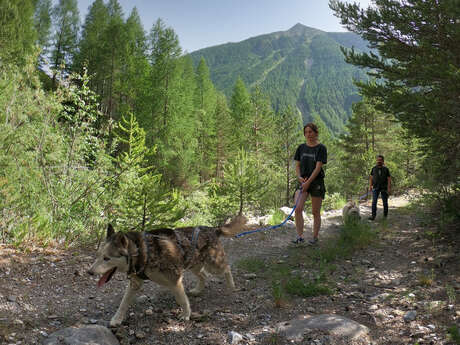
x,y
204,23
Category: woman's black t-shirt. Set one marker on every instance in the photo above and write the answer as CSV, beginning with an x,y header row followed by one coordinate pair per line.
x,y
308,156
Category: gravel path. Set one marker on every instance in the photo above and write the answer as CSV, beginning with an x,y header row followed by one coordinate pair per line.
x,y
409,273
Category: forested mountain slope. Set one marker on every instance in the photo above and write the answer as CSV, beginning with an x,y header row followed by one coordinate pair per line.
x,y
301,66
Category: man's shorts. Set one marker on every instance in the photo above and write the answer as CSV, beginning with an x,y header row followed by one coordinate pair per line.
x,y
317,188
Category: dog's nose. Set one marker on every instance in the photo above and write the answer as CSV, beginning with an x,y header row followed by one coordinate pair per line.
x,y
91,273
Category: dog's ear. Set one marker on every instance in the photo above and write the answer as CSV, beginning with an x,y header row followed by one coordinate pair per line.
x,y
110,230
124,241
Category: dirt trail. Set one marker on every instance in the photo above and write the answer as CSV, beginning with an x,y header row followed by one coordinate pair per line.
x,y
46,290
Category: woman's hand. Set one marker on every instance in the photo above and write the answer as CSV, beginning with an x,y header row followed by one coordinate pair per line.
x,y
305,186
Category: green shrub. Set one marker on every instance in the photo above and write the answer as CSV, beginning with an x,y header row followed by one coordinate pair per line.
x,y
454,334
277,217
296,286
251,264
333,202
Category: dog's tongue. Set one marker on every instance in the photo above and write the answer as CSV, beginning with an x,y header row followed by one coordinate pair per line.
x,y
104,278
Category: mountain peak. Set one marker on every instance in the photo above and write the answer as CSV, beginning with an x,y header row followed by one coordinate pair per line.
x,y
300,30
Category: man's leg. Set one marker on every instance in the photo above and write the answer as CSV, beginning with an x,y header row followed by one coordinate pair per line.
x,y
375,197
385,202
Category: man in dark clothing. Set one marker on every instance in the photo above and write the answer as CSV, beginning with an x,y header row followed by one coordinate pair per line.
x,y
379,182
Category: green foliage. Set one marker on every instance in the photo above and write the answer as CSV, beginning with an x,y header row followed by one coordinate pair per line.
x,y
371,132
454,334
140,198
354,236
197,208
297,286
52,162
241,109
66,19
277,217
17,32
278,294
286,138
42,21
242,183
333,201
417,67
252,265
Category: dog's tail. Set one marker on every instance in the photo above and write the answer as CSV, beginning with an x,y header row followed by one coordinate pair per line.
x,y
235,226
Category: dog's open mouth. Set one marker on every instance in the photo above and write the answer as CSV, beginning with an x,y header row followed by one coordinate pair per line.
x,y
106,277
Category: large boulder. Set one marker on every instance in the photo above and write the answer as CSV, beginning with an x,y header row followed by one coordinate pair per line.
x,y
339,329
84,335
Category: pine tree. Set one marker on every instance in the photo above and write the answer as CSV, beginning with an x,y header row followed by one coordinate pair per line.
x,y
92,47
135,67
140,199
242,185
17,33
164,95
164,52
224,130
66,21
181,140
417,63
260,121
240,107
115,36
205,107
42,21
289,128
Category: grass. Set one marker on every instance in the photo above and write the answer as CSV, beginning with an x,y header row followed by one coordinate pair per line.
x,y
451,295
320,262
296,286
454,334
426,280
279,296
277,217
252,264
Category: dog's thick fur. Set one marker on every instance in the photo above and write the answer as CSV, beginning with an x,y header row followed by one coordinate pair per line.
x,y
350,212
162,256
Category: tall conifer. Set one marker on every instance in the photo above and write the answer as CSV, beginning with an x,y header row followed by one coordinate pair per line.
x,y
17,33
66,19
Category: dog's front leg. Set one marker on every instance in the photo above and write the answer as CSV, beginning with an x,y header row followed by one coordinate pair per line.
x,y
182,299
135,284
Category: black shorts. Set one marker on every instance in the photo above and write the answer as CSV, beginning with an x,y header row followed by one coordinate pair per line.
x,y
317,188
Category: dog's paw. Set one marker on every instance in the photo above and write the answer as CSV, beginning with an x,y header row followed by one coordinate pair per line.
x,y
115,322
185,316
195,292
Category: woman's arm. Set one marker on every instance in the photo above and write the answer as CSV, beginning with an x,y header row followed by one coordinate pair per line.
x,y
314,173
297,171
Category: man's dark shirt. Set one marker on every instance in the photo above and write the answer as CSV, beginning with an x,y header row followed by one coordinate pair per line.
x,y
380,177
308,156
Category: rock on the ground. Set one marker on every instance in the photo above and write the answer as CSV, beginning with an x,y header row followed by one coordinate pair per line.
x,y
84,335
410,315
336,325
234,337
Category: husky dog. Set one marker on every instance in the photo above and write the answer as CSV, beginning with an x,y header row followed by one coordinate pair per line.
x,y
162,256
350,212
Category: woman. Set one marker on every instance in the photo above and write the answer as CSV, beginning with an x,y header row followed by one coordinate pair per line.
x,y
310,158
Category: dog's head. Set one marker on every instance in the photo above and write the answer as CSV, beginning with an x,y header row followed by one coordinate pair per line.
x,y
113,255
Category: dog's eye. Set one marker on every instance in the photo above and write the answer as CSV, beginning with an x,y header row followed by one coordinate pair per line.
x,y
106,258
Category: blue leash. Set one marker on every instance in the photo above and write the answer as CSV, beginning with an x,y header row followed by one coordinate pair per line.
x,y
364,195
269,227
